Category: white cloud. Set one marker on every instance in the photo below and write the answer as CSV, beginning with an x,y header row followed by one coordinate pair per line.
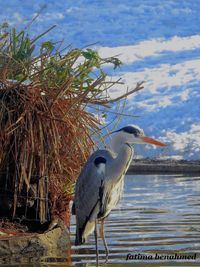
x,y
159,102
160,77
18,18
72,9
185,94
186,142
131,53
50,16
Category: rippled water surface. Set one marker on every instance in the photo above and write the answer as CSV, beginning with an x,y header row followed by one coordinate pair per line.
x,y
158,214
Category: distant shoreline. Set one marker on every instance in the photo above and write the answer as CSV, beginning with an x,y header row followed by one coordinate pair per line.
x,y
150,166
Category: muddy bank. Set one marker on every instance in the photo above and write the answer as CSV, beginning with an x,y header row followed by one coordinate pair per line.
x,y
163,166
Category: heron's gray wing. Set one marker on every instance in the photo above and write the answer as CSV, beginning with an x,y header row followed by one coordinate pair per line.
x,y
114,182
88,190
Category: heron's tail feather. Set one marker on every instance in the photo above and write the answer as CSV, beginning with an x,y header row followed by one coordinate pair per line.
x,y
79,240
83,233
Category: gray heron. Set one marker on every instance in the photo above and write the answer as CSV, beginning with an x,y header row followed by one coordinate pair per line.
x,y
99,186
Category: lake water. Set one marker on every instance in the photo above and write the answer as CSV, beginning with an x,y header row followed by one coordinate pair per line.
x,y
158,215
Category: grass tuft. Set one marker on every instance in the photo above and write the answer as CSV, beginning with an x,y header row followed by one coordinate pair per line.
x,y
46,128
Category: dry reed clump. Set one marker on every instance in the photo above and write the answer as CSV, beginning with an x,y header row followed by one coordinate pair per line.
x,y
42,145
45,125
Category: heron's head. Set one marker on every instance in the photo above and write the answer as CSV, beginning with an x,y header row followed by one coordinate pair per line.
x,y
133,134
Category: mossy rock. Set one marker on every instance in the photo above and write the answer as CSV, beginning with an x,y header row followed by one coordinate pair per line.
x,y
34,243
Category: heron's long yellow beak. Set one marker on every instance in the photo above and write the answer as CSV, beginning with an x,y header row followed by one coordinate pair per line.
x,y
152,141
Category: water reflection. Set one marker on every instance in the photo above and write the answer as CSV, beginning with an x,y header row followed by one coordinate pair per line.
x,y
158,214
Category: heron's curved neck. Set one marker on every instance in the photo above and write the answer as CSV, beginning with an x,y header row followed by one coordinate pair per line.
x,y
123,158
124,151
118,144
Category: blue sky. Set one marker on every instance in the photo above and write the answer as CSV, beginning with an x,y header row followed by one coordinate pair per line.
x,y
158,41
109,22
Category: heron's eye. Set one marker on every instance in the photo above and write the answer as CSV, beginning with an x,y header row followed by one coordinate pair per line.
x,y
140,134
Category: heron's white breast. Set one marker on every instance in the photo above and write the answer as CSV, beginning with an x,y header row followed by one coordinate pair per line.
x,y
115,195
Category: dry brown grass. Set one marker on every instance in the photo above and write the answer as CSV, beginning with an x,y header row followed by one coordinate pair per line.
x,y
46,128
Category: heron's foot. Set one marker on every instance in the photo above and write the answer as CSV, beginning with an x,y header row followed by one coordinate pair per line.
x,y
97,260
102,235
96,243
107,255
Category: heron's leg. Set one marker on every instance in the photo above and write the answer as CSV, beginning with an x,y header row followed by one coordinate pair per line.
x,y
96,243
102,235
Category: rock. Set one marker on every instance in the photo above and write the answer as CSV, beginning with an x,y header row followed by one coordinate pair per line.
x,y
34,243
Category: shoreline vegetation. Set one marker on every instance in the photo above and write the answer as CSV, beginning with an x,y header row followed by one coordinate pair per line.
x,y
53,99
49,98
158,166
